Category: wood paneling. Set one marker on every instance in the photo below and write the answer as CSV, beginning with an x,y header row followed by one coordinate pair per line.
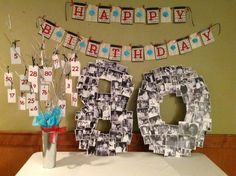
x,y
16,148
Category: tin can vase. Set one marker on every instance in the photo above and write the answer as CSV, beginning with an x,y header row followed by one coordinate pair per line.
x,y
49,149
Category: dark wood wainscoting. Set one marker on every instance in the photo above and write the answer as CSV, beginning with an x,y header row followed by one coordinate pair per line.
x,y
16,148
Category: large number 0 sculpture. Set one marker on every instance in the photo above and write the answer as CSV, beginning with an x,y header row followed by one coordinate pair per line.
x,y
104,106
167,139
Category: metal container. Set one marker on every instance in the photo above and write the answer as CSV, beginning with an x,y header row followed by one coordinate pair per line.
x,y
49,147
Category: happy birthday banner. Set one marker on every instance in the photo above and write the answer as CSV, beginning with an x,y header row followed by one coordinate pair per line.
x,y
134,53
128,15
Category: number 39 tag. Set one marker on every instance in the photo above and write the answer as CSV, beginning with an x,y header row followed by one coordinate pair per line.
x,y
11,95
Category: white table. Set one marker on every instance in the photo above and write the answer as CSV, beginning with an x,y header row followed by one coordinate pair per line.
x,y
124,164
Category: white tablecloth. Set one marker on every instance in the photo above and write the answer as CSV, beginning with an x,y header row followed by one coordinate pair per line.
x,y
124,164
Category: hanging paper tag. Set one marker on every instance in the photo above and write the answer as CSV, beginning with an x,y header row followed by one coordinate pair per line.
x,y
43,92
30,100
78,11
15,55
11,95
149,52
140,15
46,29
152,15
115,52
56,61
34,110
180,14
115,14
74,99
93,48
104,50
62,105
161,51
207,36
172,48
68,84
33,73
8,79
22,103
126,53
137,53
71,40
104,14
47,73
184,45
195,40
166,15
58,34
91,13
24,84
75,68
34,86
127,16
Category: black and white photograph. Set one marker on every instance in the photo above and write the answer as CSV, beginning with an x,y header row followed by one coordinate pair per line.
x,y
83,144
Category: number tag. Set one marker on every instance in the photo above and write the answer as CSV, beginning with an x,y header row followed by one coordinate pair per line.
x,y
75,68
24,84
33,73
43,92
62,105
22,103
15,55
30,100
56,61
74,99
68,86
34,86
11,95
47,73
33,111
8,79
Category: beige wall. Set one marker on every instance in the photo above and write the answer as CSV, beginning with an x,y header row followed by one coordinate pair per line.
x,y
216,62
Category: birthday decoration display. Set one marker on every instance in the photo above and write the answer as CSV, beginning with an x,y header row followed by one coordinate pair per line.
x,y
167,139
104,106
128,15
135,53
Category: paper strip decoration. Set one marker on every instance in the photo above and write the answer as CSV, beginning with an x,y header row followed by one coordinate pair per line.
x,y
68,86
33,73
115,14
152,15
62,105
126,53
47,28
180,14
172,48
91,13
195,40
184,45
30,100
127,15
104,50
58,34
137,53
75,68
161,51
78,11
104,14
71,40
149,52
15,55
56,61
207,37
74,99
140,15
166,16
115,52
24,84
44,91
92,48
34,110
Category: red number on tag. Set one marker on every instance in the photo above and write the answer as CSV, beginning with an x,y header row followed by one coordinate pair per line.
x,y
48,73
12,95
22,102
8,78
44,92
30,100
75,68
24,81
62,106
33,73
